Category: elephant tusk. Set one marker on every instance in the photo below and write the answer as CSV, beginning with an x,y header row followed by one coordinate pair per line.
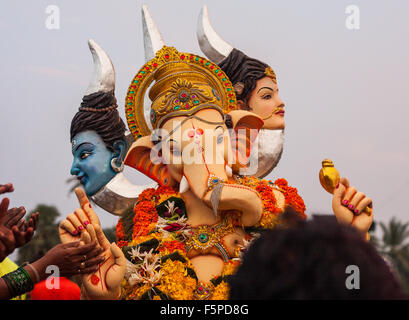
x,y
229,171
184,185
215,197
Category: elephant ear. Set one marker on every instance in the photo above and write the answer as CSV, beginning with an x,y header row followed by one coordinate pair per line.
x,y
246,126
149,163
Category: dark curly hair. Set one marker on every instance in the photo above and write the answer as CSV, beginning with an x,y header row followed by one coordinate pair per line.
x,y
308,261
241,68
98,113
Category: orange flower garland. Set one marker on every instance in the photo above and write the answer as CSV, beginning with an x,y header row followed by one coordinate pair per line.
x,y
292,198
144,219
120,233
269,200
170,246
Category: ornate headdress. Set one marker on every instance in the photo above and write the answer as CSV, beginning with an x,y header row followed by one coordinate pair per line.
x,y
179,84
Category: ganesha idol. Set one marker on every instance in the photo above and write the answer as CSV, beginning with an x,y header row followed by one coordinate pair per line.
x,y
184,238
204,210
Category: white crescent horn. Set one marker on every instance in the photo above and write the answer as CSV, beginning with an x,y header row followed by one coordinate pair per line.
x,y
152,38
211,44
103,78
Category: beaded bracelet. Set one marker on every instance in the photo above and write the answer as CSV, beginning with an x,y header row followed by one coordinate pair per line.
x,y
33,269
18,282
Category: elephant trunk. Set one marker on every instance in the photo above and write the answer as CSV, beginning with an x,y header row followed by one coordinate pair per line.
x,y
208,183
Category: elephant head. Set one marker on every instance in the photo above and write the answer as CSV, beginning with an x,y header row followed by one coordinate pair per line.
x,y
195,153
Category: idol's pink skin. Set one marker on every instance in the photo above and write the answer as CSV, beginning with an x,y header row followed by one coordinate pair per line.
x,y
265,102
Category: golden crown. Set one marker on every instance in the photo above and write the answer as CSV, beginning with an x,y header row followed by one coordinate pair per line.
x,y
184,84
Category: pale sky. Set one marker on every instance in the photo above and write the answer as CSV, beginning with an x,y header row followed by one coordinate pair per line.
x,y
346,91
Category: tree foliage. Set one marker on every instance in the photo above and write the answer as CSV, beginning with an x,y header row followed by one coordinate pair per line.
x,y
394,246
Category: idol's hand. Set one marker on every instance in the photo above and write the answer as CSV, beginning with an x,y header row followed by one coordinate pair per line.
x,y
106,282
70,229
349,207
84,222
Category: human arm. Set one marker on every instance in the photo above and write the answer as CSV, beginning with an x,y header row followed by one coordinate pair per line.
x,y
70,259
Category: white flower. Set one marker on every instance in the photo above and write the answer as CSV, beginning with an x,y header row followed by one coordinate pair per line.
x,y
146,270
162,223
246,244
171,207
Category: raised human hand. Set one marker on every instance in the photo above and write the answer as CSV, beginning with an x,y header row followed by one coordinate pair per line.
x,y
7,240
349,206
13,217
24,230
6,188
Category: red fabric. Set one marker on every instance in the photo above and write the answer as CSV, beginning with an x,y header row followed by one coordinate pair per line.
x,y
67,290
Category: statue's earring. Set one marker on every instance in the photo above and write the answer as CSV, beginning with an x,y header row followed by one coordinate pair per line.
x,y
238,88
115,167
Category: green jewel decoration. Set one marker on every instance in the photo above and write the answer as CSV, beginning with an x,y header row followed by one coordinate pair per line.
x,y
203,237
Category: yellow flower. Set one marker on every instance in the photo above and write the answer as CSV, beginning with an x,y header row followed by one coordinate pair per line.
x,y
136,292
174,283
230,267
141,239
221,292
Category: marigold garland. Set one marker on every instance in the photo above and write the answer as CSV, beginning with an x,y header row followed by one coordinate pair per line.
x,y
170,246
230,267
120,233
221,291
144,219
175,282
121,243
292,198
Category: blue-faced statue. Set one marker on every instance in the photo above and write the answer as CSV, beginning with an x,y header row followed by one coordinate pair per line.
x,y
95,163
97,131
99,141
